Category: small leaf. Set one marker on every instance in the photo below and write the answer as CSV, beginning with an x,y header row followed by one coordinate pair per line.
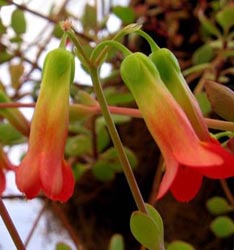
x,y
208,25
9,135
62,246
126,14
103,171
78,145
116,242
203,103
203,54
222,226
225,17
3,2
18,21
147,230
103,138
85,98
16,71
58,32
218,205
221,99
179,245
114,97
5,56
89,18
79,169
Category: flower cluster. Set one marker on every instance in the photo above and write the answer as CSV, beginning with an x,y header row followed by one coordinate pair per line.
x,y
175,121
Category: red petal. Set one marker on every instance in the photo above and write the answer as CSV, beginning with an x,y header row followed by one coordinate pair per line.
x,y
60,189
224,170
169,176
27,178
186,184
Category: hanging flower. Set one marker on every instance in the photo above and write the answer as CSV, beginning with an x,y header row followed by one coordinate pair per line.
x,y
171,75
44,167
187,157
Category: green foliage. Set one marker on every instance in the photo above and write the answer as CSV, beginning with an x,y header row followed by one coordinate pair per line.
x,y
62,246
203,54
78,145
179,245
89,17
203,103
222,226
125,14
16,72
116,242
18,22
9,135
218,205
108,164
148,228
225,17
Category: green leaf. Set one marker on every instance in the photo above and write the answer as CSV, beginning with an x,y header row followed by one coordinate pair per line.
x,y
116,242
3,2
103,138
89,18
110,156
221,99
225,17
126,14
148,229
203,54
78,145
218,205
179,245
115,97
103,171
208,25
203,103
18,21
62,246
5,56
16,72
2,28
9,135
222,226
58,32
79,169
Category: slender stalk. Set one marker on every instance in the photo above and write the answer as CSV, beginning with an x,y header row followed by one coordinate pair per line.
x,y
96,110
11,227
117,142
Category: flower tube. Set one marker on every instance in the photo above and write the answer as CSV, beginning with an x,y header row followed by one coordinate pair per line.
x,y
187,158
44,167
171,75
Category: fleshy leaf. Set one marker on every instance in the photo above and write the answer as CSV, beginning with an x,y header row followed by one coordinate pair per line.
x,y
225,17
222,226
116,242
62,246
126,14
18,21
218,205
147,229
203,54
179,245
221,99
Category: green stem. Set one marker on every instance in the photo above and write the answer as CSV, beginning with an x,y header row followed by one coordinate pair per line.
x,y
117,142
11,227
149,39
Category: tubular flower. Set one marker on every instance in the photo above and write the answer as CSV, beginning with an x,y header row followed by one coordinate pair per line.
x,y
171,75
44,167
5,165
187,158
